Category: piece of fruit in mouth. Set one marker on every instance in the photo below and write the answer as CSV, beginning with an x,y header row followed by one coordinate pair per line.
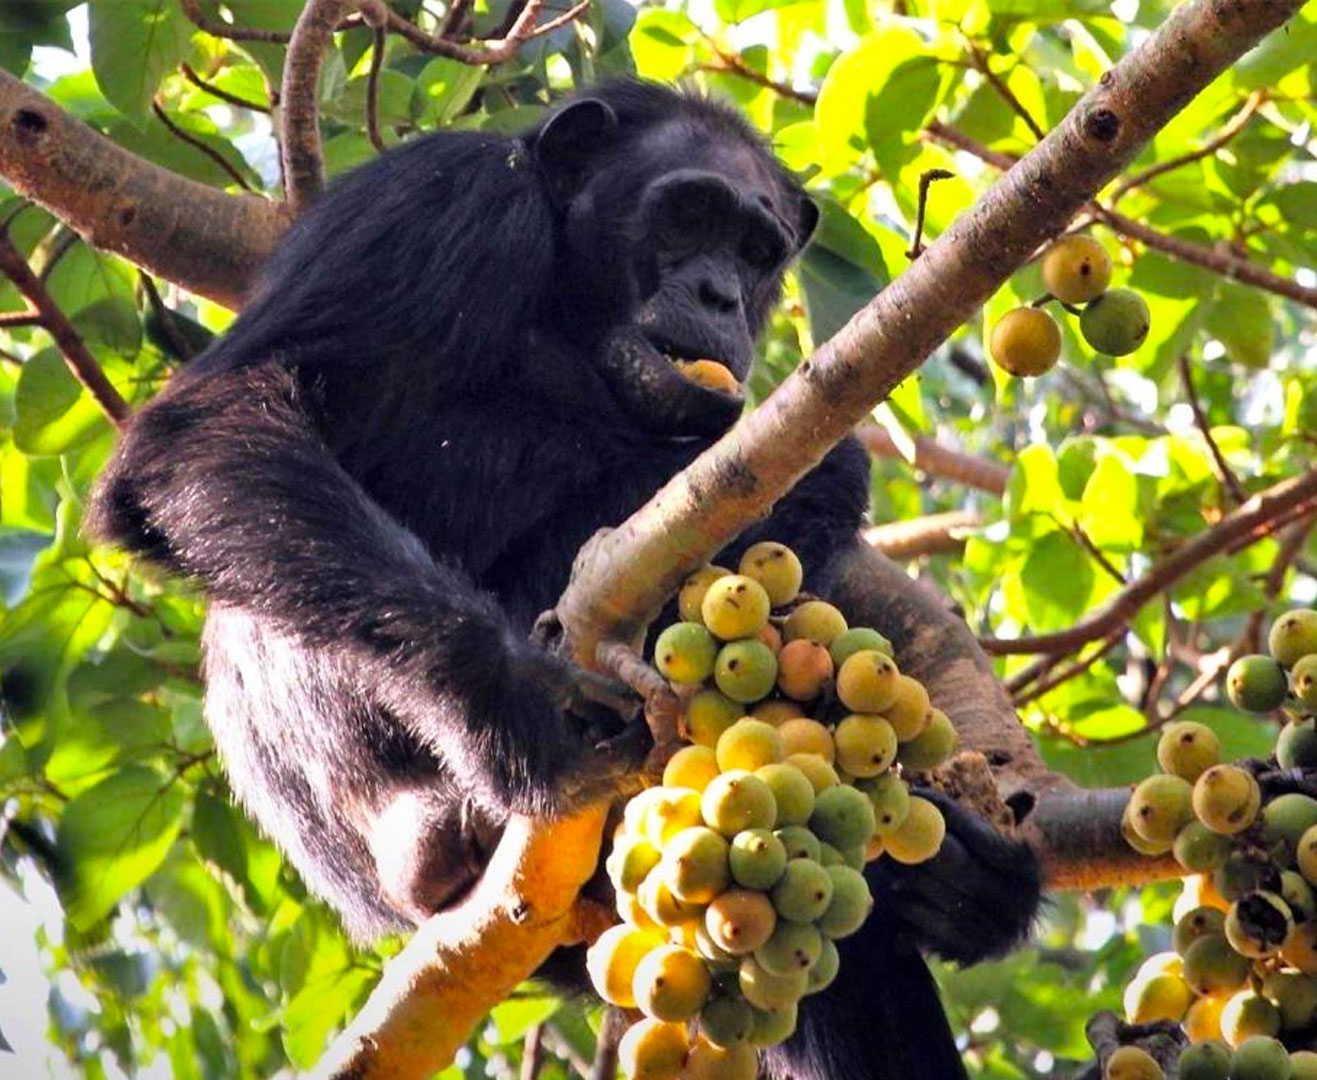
x,y
710,374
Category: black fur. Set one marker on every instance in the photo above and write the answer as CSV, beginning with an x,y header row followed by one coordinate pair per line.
x,y
451,375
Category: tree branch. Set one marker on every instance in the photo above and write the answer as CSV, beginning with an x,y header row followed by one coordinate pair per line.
x,y
76,354
221,94
304,169
1224,473
932,534
495,51
1258,517
466,959
929,456
207,241
623,578
191,140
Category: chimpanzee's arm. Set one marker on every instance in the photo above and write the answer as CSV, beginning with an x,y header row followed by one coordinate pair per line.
x,y
225,478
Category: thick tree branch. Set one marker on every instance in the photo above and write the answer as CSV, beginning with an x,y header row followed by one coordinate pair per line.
x,y
931,457
623,578
466,959
304,169
207,241
76,354
1259,516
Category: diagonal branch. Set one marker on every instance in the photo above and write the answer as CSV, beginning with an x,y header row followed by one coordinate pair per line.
x,y
739,478
1260,516
931,457
1224,473
51,319
207,241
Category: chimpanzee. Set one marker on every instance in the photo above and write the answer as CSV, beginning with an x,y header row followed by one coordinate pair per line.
x,y
457,367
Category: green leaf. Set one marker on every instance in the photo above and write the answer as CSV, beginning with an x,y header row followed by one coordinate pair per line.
x,y
53,412
1057,579
112,837
134,44
26,23
1297,204
1109,509
1241,319
318,1008
518,1014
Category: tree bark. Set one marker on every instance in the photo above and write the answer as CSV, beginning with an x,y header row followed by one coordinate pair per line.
x,y
205,240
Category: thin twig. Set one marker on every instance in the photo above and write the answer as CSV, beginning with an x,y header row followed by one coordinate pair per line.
x,y
731,64
493,51
532,1057
458,11
373,91
1229,130
197,144
1258,517
16,320
76,354
982,65
926,180
927,535
605,1055
936,460
1071,671
192,9
220,93
1096,553
1229,481
165,316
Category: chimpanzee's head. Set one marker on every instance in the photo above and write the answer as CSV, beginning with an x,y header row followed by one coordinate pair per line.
x,y
677,224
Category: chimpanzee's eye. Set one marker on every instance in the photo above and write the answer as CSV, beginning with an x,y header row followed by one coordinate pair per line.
x,y
761,249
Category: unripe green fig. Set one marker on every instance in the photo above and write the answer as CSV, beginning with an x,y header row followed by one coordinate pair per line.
x,y
1142,846
800,842
1212,967
1298,895
1188,749
890,796
1025,342
1205,1061
1247,1014
1303,1065
726,1021
1198,849
1286,818
764,990
1243,872
793,947
684,653
932,746
1160,807
776,567
1295,995
857,638
1293,636
1256,684
1296,746
792,792
803,892
1076,269
757,859
1260,1058
825,969
866,745
1201,922
1226,799
773,1026
850,905
1116,323
816,620
843,817
745,670
1306,855
1303,680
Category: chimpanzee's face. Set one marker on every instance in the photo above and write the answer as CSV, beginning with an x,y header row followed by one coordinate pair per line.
x,y
679,236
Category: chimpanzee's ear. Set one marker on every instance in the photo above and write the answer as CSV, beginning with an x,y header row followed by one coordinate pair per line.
x,y
569,142
807,220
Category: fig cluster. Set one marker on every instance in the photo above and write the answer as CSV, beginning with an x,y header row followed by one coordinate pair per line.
x,y
1077,271
1242,979
736,876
